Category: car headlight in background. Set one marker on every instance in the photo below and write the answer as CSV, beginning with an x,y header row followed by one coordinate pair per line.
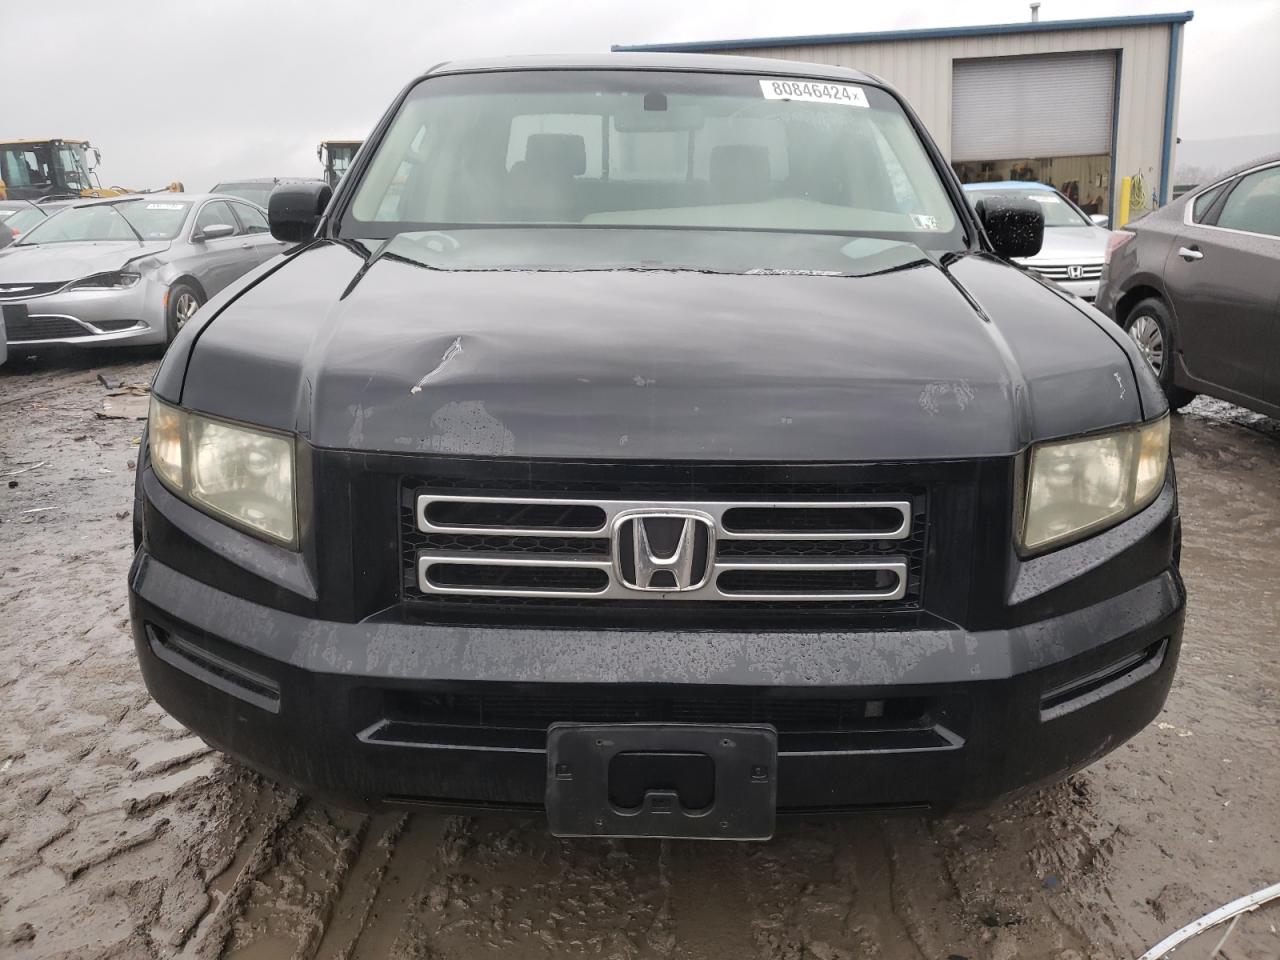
x,y
1075,487
115,280
241,474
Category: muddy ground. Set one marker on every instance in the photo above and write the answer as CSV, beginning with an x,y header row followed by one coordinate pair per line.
x,y
121,835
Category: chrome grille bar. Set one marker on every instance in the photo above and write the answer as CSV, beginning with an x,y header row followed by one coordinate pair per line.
x,y
614,589
1089,271
611,509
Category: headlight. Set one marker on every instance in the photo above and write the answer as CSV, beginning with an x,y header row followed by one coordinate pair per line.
x,y
240,474
1076,487
116,280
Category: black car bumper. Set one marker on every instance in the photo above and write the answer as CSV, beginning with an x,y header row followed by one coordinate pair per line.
x,y
394,712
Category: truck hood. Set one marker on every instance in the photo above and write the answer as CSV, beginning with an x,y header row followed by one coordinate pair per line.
x,y
652,365
61,262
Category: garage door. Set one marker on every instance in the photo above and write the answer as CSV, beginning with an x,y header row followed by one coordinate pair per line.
x,y
1056,105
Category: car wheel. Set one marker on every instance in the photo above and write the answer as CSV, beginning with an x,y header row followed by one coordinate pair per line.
x,y
1148,326
184,301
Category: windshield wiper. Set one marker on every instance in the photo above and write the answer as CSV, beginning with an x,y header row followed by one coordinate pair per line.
x,y
115,208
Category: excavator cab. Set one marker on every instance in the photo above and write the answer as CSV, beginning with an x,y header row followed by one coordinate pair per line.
x,y
336,156
56,169
48,169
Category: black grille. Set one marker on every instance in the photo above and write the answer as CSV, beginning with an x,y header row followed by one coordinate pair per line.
x,y
811,520
536,712
23,328
819,548
415,540
805,581
526,516
11,291
670,483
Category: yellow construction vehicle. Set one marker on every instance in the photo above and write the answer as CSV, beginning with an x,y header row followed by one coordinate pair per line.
x,y
57,168
335,156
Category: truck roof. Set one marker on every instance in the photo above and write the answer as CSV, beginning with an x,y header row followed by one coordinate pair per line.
x,y
45,140
711,63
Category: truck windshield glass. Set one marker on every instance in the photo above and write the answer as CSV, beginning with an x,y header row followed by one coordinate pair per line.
x,y
684,153
151,219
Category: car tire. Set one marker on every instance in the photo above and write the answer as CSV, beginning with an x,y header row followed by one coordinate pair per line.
x,y
1149,327
184,301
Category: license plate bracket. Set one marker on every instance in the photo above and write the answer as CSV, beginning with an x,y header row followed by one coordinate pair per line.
x,y
580,758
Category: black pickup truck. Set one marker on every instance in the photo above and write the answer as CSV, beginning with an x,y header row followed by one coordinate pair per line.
x,y
664,443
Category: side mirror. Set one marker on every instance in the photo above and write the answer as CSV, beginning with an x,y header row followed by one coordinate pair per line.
x,y
1014,227
215,231
295,209
1101,220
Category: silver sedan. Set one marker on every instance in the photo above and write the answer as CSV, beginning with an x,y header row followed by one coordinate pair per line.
x,y
127,270
1074,241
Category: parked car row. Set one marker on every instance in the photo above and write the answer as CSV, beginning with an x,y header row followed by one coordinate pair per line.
x,y
129,269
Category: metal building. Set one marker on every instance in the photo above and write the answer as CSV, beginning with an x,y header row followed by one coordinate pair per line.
x,y
1074,103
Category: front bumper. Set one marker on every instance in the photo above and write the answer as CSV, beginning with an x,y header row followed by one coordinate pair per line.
x,y
388,712
1084,289
135,315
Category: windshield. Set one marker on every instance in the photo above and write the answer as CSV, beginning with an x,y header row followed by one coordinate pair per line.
x,y
685,153
258,193
131,220
24,220
1058,212
340,157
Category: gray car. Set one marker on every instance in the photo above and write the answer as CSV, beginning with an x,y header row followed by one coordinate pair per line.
x,y
1197,286
1074,243
258,189
128,269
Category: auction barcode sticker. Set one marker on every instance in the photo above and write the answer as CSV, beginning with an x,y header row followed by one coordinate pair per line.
x,y
841,93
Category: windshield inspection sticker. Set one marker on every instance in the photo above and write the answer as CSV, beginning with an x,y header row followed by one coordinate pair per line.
x,y
164,206
924,221
841,93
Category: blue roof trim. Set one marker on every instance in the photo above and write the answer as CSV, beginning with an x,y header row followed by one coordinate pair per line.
x,y
930,33
1170,98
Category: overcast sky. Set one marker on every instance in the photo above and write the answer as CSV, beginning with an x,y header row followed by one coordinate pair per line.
x,y
202,90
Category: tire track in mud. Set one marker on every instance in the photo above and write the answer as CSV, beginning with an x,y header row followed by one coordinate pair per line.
x,y
401,855
262,852
352,910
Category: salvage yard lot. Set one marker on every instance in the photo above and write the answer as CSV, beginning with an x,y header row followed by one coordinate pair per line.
x,y
123,836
